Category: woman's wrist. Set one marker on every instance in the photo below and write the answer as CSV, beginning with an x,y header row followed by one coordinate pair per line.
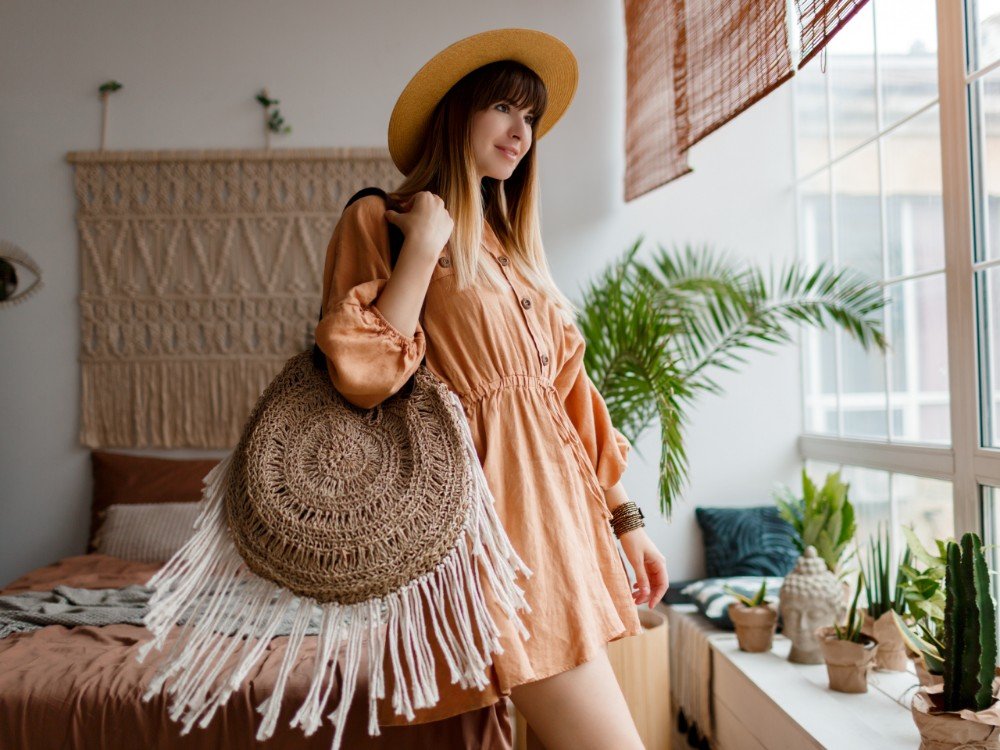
x,y
626,517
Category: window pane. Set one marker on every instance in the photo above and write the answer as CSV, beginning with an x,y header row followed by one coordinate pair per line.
x,y
815,232
991,537
856,209
820,373
987,95
988,283
986,21
863,399
907,56
869,494
812,127
851,67
918,352
926,505
911,160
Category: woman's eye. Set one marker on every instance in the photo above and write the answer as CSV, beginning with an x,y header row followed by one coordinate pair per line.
x,y
502,105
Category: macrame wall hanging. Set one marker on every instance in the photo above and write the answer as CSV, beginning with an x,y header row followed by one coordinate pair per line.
x,y
201,274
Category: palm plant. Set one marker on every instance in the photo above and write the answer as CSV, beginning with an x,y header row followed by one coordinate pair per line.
x,y
657,331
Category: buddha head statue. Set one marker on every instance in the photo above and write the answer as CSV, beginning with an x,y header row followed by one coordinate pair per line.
x,y
811,596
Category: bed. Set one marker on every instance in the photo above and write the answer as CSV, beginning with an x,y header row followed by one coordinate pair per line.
x,y
81,687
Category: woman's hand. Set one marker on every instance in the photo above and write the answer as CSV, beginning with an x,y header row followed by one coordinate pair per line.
x,y
650,567
424,221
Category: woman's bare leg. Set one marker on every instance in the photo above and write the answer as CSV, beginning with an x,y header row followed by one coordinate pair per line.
x,y
580,709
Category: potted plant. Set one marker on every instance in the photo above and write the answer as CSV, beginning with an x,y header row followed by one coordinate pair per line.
x,y
922,627
963,711
849,654
659,331
755,619
822,518
884,587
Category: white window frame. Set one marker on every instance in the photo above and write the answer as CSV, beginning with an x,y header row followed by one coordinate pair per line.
x,y
964,464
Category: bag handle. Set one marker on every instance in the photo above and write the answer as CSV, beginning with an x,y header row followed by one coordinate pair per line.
x,y
396,238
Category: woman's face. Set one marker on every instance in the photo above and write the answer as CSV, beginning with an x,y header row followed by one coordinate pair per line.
x,y
501,136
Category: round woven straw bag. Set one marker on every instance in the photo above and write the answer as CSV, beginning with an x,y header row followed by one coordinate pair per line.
x,y
347,523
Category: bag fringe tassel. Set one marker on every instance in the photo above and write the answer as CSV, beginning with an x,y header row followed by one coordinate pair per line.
x,y
206,586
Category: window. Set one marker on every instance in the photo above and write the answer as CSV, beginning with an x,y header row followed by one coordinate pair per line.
x,y
898,175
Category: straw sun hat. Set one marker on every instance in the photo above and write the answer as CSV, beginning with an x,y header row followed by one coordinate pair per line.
x,y
545,54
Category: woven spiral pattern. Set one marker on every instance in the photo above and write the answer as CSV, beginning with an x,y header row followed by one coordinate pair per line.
x,y
344,504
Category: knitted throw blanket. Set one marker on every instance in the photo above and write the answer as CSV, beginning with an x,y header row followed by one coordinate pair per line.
x,y
201,274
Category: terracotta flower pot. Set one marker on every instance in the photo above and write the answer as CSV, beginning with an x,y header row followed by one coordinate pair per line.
x,y
755,626
847,663
949,731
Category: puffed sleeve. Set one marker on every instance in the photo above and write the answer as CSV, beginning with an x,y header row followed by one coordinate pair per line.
x,y
368,359
605,445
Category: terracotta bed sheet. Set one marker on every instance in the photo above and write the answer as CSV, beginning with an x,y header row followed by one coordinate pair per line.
x,y
82,688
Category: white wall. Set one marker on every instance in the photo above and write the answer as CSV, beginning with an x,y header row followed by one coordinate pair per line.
x,y
190,71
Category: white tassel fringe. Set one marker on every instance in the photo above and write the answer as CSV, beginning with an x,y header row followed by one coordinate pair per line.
x,y
207,583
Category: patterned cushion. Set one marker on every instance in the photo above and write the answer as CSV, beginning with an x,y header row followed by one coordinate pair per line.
x,y
712,601
746,541
146,532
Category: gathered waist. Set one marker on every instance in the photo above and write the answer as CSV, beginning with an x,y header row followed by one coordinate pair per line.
x,y
472,397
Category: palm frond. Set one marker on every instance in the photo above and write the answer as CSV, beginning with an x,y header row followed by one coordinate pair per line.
x,y
656,332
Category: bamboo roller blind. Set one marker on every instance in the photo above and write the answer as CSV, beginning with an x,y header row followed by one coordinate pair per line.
x,y
693,65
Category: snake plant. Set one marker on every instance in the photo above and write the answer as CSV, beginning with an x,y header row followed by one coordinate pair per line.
x,y
851,630
657,331
885,579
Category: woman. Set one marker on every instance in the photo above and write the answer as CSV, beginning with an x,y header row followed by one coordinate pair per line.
x,y
472,291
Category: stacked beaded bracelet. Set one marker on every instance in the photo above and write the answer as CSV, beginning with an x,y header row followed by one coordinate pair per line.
x,y
626,517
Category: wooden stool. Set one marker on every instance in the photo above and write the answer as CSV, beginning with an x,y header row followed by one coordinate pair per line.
x,y
642,666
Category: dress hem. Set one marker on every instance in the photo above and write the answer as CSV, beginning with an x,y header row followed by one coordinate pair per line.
x,y
587,656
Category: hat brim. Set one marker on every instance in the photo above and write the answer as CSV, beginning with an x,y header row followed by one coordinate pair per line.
x,y
545,54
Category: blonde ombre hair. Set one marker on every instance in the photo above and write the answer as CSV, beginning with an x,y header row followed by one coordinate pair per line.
x,y
447,167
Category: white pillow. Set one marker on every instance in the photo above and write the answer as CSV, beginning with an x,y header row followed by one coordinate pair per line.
x,y
146,532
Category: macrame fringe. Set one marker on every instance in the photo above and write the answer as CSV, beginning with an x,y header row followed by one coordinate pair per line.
x,y
226,608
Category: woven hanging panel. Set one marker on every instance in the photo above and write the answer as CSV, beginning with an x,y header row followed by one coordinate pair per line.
x,y
730,54
201,274
653,154
820,20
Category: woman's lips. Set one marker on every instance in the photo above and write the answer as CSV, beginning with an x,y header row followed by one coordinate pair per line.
x,y
507,153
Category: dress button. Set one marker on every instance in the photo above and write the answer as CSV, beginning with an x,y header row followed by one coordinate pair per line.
x,y
444,261
545,359
525,303
504,260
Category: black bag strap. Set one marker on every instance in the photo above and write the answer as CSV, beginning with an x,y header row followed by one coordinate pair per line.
x,y
396,238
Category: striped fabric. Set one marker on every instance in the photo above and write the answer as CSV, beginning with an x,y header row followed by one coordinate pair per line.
x,y
146,532
713,602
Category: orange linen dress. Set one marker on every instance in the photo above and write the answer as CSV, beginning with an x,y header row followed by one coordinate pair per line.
x,y
540,427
